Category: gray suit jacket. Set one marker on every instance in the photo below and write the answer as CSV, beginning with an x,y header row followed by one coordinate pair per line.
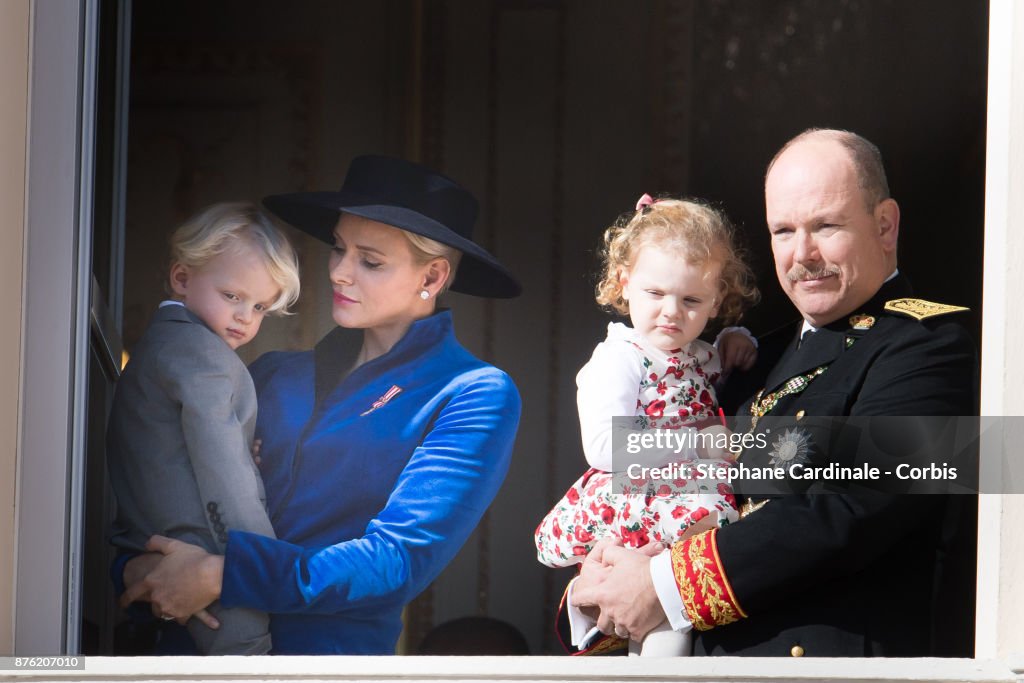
x,y
178,444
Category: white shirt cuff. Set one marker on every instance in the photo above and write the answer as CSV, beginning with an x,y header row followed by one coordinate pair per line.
x,y
739,329
668,592
579,623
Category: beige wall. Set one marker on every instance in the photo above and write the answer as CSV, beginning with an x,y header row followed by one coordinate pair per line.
x,y
14,34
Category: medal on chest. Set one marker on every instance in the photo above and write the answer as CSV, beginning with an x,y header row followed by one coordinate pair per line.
x,y
763,405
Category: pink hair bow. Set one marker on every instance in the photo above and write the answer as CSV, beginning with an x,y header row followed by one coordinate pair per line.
x,y
645,200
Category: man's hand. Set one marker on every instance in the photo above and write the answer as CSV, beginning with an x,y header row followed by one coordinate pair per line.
x,y
181,585
618,582
736,351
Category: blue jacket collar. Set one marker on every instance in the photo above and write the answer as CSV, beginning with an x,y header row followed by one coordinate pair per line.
x,y
337,351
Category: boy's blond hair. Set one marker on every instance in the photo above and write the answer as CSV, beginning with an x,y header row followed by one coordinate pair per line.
x,y
217,228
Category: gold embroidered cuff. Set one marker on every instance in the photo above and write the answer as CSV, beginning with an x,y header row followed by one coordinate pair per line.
x,y
702,583
605,645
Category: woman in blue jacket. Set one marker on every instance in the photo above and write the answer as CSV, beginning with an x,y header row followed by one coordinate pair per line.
x,y
383,446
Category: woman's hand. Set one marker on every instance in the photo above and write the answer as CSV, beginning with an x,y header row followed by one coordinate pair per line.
x,y
181,584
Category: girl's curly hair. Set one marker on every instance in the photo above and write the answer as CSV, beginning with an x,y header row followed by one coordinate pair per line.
x,y
694,229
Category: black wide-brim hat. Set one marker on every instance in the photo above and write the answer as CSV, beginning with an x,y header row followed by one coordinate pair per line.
x,y
407,196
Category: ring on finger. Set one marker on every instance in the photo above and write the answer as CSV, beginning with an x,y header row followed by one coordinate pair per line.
x,y
167,617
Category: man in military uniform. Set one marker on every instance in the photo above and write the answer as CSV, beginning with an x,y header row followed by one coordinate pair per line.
x,y
852,573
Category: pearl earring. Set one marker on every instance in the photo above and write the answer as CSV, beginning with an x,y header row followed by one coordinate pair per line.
x,y
424,295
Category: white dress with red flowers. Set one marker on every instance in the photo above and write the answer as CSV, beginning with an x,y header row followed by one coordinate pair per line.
x,y
626,376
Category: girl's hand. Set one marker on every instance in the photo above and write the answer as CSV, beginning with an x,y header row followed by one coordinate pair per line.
x,y
736,351
184,581
714,446
257,444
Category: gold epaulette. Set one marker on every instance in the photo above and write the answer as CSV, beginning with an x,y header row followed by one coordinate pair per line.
x,y
921,309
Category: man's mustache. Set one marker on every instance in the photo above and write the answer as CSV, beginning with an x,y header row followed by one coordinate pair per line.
x,y
799,273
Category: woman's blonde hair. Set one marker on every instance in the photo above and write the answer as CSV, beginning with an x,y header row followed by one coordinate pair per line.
x,y
698,232
425,250
219,228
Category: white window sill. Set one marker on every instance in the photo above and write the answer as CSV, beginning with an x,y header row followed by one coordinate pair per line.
x,y
436,669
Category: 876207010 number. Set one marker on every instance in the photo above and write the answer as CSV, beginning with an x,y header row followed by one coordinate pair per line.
x,y
72,662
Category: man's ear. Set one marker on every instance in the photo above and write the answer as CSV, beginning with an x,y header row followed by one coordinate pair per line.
x,y
438,272
887,216
179,279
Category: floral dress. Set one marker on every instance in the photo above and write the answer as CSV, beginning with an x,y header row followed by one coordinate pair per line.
x,y
628,376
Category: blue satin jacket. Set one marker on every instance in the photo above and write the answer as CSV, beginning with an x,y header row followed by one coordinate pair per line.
x,y
374,481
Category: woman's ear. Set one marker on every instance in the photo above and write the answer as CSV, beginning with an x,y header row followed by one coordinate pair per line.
x,y
179,279
438,272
